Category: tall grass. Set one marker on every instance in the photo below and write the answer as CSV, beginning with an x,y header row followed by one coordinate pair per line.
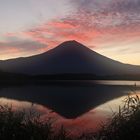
x,y
18,125
125,125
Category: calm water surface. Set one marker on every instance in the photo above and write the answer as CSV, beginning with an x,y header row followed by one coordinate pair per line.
x,y
79,107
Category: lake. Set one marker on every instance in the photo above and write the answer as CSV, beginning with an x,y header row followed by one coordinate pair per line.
x,y
80,106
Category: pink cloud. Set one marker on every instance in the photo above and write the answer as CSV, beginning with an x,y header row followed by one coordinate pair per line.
x,y
85,29
90,27
57,31
10,34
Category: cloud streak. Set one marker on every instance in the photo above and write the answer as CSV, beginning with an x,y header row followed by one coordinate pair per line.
x,y
17,48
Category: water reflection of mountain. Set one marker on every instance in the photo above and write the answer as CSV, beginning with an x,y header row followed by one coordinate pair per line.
x,y
68,101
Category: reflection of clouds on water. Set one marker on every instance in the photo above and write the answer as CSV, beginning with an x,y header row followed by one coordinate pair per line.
x,y
70,101
15,104
24,106
71,106
113,105
114,82
74,126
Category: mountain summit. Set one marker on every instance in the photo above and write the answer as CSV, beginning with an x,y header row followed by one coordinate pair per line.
x,y
70,57
71,43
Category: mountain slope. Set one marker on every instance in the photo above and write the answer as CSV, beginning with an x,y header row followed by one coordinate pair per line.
x,y
69,57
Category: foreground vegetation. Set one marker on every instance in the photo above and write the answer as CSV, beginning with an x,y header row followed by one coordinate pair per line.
x,y
125,125
18,125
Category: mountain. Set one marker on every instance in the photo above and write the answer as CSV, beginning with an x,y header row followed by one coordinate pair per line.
x,y
70,57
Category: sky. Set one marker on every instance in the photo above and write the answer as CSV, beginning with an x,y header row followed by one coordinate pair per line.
x,y
109,27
